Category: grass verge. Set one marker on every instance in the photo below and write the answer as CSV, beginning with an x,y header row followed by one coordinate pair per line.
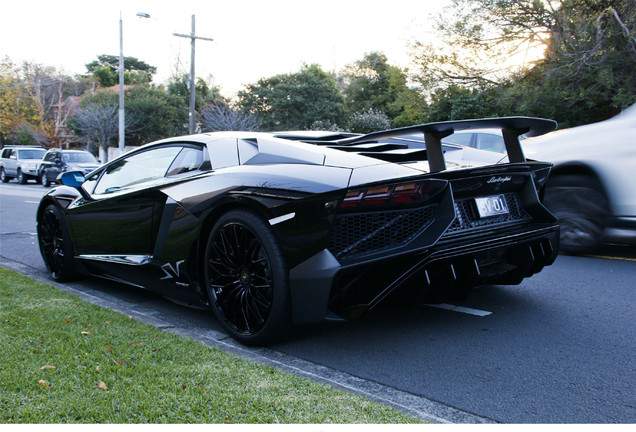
x,y
64,360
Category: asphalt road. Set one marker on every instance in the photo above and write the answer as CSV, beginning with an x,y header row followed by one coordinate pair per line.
x,y
559,348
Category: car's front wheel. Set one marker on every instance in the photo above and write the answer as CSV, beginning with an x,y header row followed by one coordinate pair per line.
x,y
55,244
3,176
21,177
582,209
247,280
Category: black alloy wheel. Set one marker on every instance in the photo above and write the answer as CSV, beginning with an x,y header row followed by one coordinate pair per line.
x,y
582,209
246,279
55,244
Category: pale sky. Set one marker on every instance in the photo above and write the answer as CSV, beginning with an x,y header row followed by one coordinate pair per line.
x,y
252,39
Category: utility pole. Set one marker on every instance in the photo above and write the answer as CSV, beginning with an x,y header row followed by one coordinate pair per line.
x,y
192,36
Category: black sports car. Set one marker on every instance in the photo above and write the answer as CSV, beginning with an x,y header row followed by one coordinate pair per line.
x,y
275,230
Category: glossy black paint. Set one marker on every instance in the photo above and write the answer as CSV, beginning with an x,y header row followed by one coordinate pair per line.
x,y
152,233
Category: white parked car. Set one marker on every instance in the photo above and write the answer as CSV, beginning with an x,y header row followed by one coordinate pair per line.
x,y
21,163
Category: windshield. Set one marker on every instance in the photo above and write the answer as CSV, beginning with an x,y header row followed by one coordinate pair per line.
x,y
32,154
79,157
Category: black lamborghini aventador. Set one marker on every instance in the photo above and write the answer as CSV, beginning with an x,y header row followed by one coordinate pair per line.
x,y
275,230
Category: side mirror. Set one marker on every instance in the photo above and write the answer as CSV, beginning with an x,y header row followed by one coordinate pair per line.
x,y
72,179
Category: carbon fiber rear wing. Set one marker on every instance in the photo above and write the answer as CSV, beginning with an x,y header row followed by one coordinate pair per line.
x,y
511,128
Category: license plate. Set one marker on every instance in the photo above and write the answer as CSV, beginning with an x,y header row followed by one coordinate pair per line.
x,y
491,206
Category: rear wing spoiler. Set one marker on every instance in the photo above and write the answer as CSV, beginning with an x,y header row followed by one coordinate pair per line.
x,y
511,128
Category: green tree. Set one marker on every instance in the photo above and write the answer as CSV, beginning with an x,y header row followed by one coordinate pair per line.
x,y
368,121
158,114
205,93
106,70
151,113
294,101
585,75
372,83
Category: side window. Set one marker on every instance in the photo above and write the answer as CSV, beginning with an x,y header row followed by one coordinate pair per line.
x,y
490,142
189,159
138,169
89,183
459,139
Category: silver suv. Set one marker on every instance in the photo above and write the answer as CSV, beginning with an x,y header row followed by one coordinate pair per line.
x,y
20,163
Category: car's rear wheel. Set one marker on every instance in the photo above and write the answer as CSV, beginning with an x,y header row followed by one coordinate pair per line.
x,y
247,280
582,209
55,244
44,179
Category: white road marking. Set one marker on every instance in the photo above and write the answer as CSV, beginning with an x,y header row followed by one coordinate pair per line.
x,y
460,309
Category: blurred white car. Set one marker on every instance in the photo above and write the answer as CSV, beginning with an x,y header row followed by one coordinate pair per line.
x,y
592,187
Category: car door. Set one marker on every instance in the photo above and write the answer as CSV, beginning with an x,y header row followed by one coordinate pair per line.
x,y
46,164
11,163
54,165
116,223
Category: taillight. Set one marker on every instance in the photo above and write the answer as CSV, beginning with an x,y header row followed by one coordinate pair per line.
x,y
392,194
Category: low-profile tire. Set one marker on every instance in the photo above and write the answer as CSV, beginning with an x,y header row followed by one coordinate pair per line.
x,y
4,178
55,244
247,280
581,206
21,177
44,179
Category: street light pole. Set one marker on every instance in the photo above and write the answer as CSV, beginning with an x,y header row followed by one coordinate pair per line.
x,y
192,36
121,86
122,115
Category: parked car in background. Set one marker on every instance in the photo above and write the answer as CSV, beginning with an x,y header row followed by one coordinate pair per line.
x,y
20,163
274,231
592,187
56,161
481,139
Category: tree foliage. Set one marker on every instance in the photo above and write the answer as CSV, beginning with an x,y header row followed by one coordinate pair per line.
x,y
294,101
33,99
106,70
205,93
585,73
95,122
373,84
220,116
17,107
150,112
368,121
